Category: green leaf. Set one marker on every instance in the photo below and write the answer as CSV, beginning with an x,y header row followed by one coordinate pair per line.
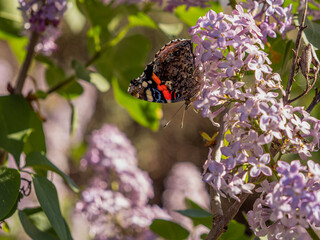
x,y
198,216
191,16
141,19
130,51
32,230
77,152
193,205
9,189
280,54
145,113
195,213
124,61
10,27
73,17
94,78
14,208
312,33
44,59
288,52
168,229
235,231
38,161
5,227
81,71
17,135
99,81
20,135
203,236
73,119
71,90
41,94
48,199
107,21
10,17
295,5
17,44
172,30
55,76
40,220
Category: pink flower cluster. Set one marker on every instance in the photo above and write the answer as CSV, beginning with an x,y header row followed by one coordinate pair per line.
x,y
313,9
271,16
115,202
237,80
286,208
43,17
228,46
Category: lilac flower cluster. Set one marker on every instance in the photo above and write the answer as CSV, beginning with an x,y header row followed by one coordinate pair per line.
x,y
286,208
237,80
116,201
313,9
228,46
183,181
43,17
271,16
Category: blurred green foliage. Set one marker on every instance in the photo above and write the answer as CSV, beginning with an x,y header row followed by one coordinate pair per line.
x,y
118,46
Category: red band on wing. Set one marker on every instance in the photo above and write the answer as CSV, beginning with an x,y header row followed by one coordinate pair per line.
x,y
156,79
163,88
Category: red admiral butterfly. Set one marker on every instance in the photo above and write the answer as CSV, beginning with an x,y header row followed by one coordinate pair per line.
x,y
171,77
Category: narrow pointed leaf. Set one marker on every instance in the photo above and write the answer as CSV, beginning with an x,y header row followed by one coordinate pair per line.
x,y
17,136
169,230
9,191
32,230
48,199
39,161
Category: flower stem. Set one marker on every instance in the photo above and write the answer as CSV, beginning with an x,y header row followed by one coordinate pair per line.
x,y
63,83
295,55
3,156
73,77
26,63
314,102
312,233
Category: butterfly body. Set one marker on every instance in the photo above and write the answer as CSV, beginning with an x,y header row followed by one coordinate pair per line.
x,y
171,77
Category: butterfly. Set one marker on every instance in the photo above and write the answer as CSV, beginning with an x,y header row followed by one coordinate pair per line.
x,y
171,77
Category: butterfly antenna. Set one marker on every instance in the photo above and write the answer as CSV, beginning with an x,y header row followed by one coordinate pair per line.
x,y
172,117
184,113
195,110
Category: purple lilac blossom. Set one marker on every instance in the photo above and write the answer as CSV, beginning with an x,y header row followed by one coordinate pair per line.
x,y
271,16
256,116
286,208
184,181
43,17
313,9
115,203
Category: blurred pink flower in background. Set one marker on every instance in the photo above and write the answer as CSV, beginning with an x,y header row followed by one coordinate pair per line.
x,y
184,181
43,17
115,203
